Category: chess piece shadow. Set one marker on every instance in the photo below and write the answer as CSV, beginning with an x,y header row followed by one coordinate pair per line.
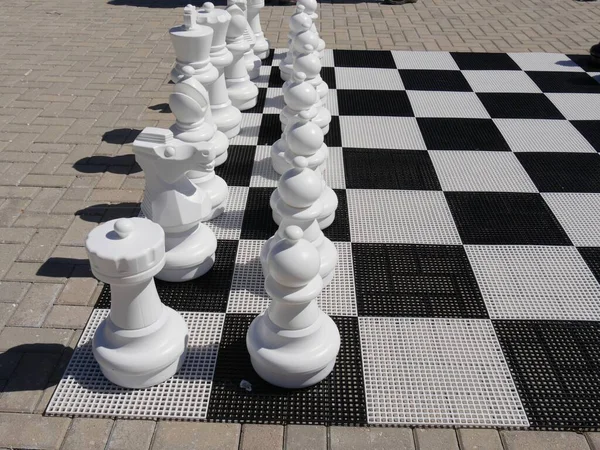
x,y
119,164
59,267
121,136
162,108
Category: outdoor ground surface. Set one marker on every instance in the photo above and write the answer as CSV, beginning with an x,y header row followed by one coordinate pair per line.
x,y
79,78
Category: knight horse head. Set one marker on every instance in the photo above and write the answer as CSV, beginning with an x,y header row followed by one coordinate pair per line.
x,y
189,100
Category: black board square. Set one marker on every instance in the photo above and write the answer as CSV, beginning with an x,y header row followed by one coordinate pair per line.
x,y
434,80
562,172
270,129
484,61
585,62
556,368
415,281
209,293
461,134
339,230
328,75
333,138
268,61
377,59
275,80
577,82
389,169
519,106
590,129
237,169
337,400
503,218
258,219
373,103
591,256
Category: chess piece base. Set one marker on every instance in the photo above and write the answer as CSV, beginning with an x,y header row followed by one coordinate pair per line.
x,y
228,120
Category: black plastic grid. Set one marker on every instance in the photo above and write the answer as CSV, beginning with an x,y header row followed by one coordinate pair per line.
x,y
238,170
461,134
260,102
434,80
484,61
374,103
591,255
573,82
590,129
258,217
556,368
374,59
519,106
275,80
334,137
270,129
339,230
328,75
337,400
398,280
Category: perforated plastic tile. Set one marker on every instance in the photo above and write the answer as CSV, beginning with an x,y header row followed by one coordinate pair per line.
x,y
579,215
447,104
327,60
577,106
331,102
484,61
368,78
270,129
410,217
374,103
274,101
450,133
434,80
229,224
536,135
551,62
381,132
263,174
535,282
334,174
437,372
237,169
250,127
263,78
424,60
380,59
83,390
247,287
500,81
481,171
278,56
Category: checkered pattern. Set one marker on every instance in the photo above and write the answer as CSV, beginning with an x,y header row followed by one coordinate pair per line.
x,y
467,291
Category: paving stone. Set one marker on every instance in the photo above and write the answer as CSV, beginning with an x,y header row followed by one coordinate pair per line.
x,y
262,437
56,181
479,439
12,292
79,230
6,311
8,254
32,431
593,440
435,439
34,308
78,291
89,434
543,440
199,436
305,437
66,316
35,219
41,245
40,340
11,209
45,200
16,235
47,272
131,435
350,438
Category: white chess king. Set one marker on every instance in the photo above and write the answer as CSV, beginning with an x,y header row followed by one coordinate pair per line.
x,y
142,342
293,344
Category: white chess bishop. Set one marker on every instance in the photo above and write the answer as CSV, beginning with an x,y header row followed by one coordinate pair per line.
x,y
310,8
261,47
299,22
142,342
252,61
242,92
226,117
298,201
293,344
175,203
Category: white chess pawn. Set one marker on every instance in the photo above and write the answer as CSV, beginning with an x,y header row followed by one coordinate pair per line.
x,y
226,117
242,92
142,342
293,344
261,47
299,22
297,200
308,62
310,8
298,91
253,62
175,203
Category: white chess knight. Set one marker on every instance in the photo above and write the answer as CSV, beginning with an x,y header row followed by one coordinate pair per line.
x,y
190,104
310,8
142,342
299,22
298,200
252,61
175,203
242,92
297,93
293,344
261,47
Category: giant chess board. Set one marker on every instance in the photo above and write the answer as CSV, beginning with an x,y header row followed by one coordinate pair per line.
x,y
468,228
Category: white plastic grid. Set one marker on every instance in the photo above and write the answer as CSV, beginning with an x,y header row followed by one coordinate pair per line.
x,y
408,217
511,81
368,78
481,171
278,56
83,390
577,106
249,133
579,215
447,104
437,372
274,101
331,102
248,296
535,282
424,60
334,174
263,174
381,132
229,224
263,77
543,135
327,60
547,62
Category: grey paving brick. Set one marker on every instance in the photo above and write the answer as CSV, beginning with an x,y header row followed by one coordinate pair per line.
x,y
131,435
6,312
47,272
435,439
199,436
56,181
11,209
305,437
39,339
89,434
19,192
479,439
12,292
262,437
16,235
8,254
78,291
15,173
46,199
34,308
593,440
115,195
349,438
37,220
41,245
32,431
79,229
49,163
543,440
67,316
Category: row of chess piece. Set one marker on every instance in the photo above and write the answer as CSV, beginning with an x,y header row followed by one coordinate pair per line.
x,y
293,343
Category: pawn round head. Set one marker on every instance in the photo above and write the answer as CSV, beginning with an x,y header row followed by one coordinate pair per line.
x,y
309,62
298,94
123,228
310,6
208,6
304,138
300,187
294,262
307,37
300,21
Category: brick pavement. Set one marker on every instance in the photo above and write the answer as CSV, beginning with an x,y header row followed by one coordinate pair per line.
x,y
78,80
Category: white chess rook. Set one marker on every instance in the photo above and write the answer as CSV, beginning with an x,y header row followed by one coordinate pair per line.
x,y
226,117
310,8
252,61
293,344
299,22
142,342
175,203
298,201
261,47
242,92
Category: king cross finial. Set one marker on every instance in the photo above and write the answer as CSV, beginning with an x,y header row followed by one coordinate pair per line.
x,y
189,16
